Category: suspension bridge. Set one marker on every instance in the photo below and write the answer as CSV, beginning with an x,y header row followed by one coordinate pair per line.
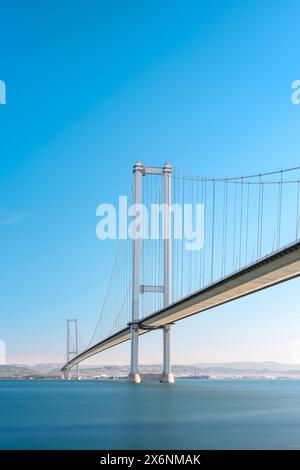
x,y
214,240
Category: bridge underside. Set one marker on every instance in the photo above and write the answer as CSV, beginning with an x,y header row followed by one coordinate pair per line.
x,y
281,266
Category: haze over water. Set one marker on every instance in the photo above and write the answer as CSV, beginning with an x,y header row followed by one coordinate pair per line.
x,y
203,414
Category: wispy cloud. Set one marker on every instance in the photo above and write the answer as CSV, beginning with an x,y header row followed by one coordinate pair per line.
x,y
17,218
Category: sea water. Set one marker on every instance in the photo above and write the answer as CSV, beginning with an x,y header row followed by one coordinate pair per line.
x,y
191,414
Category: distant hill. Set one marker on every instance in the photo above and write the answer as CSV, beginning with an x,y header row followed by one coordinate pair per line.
x,y
213,370
16,371
270,365
47,368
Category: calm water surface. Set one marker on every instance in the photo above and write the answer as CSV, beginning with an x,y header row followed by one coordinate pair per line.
x,y
190,415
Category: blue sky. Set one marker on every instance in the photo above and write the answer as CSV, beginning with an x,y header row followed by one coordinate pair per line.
x,y
93,86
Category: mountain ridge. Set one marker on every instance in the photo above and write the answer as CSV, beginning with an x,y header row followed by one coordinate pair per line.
x,y
215,369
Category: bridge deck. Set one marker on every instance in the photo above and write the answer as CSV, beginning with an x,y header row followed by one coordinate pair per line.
x,y
278,267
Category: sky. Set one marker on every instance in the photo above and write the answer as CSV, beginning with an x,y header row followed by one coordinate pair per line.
x,y
93,86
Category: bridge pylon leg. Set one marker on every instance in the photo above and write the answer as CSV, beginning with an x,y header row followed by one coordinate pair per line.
x,y
134,376
167,375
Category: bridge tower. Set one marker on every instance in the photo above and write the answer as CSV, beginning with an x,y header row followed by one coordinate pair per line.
x,y
71,322
139,171
167,375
